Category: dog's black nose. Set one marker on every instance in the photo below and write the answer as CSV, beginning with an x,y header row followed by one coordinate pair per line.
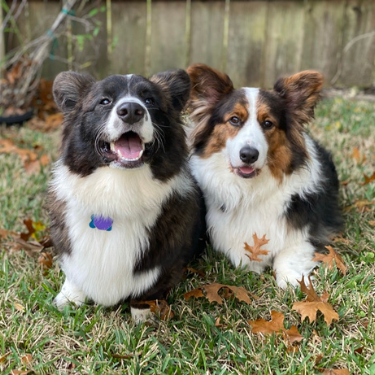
x,y
249,154
130,112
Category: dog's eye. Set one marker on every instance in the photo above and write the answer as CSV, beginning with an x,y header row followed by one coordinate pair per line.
x,y
267,124
235,121
105,101
149,101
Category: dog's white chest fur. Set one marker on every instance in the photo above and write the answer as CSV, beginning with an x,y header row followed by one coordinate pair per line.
x,y
237,208
101,263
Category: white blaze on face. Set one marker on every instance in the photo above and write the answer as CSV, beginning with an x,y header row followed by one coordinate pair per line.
x,y
115,126
251,134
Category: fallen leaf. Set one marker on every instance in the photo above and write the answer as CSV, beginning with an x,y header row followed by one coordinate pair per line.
x,y
344,183
276,325
30,229
46,260
319,357
372,223
359,350
4,233
360,205
255,250
357,156
5,356
331,259
212,293
345,241
44,160
218,322
368,179
161,309
328,371
54,121
313,304
32,247
19,372
196,293
198,272
26,359
268,327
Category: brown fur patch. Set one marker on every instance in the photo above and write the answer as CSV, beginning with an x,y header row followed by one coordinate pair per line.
x,y
279,148
218,138
222,132
301,92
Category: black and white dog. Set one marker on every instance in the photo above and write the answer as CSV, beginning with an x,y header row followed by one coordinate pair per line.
x,y
126,214
261,172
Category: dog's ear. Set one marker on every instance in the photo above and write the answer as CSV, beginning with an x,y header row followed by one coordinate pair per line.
x,y
301,92
69,87
208,84
176,83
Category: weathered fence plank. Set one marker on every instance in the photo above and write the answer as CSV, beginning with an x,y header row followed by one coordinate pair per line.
x,y
263,38
356,64
246,42
168,39
129,30
284,42
207,28
322,43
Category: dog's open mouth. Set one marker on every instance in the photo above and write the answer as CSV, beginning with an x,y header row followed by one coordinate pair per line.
x,y
246,172
125,152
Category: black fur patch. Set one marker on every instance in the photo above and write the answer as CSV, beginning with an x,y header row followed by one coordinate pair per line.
x,y
319,211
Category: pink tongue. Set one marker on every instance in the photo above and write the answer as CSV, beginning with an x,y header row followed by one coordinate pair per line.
x,y
129,145
246,170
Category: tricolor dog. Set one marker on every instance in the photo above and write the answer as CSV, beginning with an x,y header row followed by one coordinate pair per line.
x,y
261,173
125,211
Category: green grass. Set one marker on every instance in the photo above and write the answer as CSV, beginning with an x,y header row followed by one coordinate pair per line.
x,y
93,339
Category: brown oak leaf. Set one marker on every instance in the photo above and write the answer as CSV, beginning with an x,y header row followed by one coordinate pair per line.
x,y
256,249
30,229
212,293
328,371
161,309
276,325
313,304
331,259
368,179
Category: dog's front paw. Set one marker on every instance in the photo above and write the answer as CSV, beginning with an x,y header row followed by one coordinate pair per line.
x,y
140,315
69,294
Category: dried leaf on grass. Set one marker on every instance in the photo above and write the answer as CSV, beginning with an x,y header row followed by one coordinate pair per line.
x,y
256,250
30,229
198,272
331,259
313,304
46,260
368,179
5,356
361,205
4,233
357,156
29,157
212,293
20,372
276,325
372,223
328,371
161,309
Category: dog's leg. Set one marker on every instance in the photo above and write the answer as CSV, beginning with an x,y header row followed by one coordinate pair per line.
x,y
69,294
291,263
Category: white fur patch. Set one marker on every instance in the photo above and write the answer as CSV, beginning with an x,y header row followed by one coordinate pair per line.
x,y
101,263
115,126
250,134
140,315
257,205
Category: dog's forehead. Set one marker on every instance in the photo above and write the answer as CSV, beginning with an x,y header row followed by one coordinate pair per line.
x,y
236,100
119,85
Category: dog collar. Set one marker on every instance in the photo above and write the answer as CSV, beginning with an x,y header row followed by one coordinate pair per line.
x,y
101,223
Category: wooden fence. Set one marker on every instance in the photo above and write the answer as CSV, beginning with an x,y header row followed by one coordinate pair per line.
x,y
253,41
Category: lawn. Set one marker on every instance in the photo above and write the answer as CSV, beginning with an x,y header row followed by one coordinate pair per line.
x,y
36,338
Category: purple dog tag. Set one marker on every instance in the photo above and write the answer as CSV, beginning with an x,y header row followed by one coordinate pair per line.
x,y
101,223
